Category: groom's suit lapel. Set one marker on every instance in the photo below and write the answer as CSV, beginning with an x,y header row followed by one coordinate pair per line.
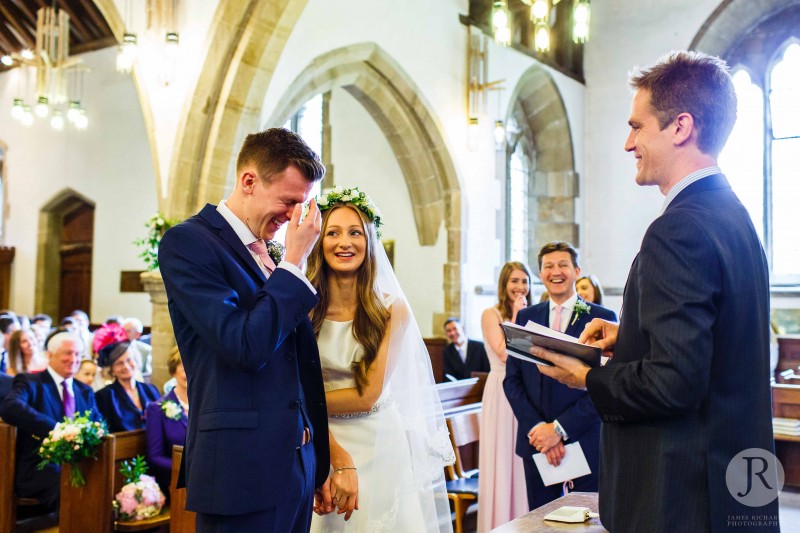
x,y
231,240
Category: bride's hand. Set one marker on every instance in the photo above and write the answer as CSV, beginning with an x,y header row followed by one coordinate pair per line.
x,y
344,490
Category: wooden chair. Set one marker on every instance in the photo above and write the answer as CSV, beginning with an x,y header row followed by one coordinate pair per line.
x,y
8,499
462,485
180,520
88,508
786,404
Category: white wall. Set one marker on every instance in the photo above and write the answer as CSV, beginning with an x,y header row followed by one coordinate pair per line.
x,y
108,163
362,157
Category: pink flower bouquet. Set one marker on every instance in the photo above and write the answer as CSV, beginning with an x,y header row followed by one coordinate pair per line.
x,y
141,497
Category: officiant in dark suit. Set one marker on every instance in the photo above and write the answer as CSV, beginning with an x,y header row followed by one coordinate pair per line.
x,y
688,387
550,414
36,403
462,356
257,438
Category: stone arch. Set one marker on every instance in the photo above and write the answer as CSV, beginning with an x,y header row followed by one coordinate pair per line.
x,y
542,125
732,21
48,258
376,81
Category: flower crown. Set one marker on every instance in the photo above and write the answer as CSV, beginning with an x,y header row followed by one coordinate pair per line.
x,y
352,195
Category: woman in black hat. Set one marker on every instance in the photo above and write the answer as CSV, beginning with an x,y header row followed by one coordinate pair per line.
x,y
123,403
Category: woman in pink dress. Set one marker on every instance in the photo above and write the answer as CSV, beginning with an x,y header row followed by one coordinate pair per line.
x,y
502,478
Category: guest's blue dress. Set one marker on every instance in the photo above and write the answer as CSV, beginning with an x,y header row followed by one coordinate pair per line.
x,y
162,433
118,409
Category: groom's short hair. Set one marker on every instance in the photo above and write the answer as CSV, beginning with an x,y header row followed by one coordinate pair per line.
x,y
272,151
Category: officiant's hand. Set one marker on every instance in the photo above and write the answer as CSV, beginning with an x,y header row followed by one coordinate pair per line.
x,y
544,437
568,370
602,334
300,238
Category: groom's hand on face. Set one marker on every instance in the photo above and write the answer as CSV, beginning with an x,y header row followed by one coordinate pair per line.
x,y
300,237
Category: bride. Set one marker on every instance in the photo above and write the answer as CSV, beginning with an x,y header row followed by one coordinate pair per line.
x,y
388,440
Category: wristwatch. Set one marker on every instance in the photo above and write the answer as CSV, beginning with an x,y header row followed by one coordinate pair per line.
x,y
560,430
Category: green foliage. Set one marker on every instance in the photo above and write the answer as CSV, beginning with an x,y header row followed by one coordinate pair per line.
x,y
134,469
72,440
156,227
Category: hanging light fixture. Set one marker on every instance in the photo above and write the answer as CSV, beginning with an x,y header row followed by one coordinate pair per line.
x,y
127,53
499,134
500,23
539,10
540,13
42,109
541,39
57,122
7,60
17,109
581,14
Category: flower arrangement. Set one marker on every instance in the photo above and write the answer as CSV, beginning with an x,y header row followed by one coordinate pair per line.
x,y
581,308
156,227
70,441
352,195
276,251
171,410
140,497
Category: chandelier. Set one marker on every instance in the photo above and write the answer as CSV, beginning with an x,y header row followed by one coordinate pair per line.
x,y
58,77
542,15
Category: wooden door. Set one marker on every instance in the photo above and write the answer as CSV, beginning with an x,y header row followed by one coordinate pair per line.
x,y
77,233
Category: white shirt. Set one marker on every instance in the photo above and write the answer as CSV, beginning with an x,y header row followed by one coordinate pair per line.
x,y
58,378
247,238
462,350
566,312
697,175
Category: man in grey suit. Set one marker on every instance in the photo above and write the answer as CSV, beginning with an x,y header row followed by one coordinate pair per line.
x,y
687,390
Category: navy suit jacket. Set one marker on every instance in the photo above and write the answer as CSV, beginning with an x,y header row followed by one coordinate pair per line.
x,y
252,362
118,409
688,387
537,398
5,385
34,407
162,433
477,360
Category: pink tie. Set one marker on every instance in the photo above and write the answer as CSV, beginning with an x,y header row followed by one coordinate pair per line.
x,y
557,319
261,249
68,400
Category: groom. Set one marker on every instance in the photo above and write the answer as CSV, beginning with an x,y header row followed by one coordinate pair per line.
x,y
257,440
550,414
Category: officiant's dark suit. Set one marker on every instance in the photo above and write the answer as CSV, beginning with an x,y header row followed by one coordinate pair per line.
x,y
34,406
250,356
535,398
688,387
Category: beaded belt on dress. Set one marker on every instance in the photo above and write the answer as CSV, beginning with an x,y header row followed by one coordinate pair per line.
x,y
379,406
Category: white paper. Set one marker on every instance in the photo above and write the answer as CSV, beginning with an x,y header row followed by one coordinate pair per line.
x,y
573,465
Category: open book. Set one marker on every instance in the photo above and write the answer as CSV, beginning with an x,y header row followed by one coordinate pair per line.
x,y
520,340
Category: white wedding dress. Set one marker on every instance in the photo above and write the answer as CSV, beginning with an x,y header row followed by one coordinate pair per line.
x,y
388,497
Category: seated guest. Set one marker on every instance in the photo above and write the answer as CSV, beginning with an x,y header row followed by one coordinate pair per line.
x,y
589,289
36,403
87,373
166,423
123,403
23,353
142,352
8,325
82,321
462,356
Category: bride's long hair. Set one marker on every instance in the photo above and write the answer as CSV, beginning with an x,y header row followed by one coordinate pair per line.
x,y
369,323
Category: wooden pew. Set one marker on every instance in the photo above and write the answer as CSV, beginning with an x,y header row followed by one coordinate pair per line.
x,y
786,404
455,395
436,346
88,508
8,457
180,520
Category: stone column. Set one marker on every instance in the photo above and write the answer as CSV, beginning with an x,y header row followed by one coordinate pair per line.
x,y
162,336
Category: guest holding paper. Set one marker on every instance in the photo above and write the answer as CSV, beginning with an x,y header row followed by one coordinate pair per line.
x,y
388,437
550,414
501,482
166,422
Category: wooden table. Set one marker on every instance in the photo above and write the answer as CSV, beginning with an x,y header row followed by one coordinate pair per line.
x,y
534,521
